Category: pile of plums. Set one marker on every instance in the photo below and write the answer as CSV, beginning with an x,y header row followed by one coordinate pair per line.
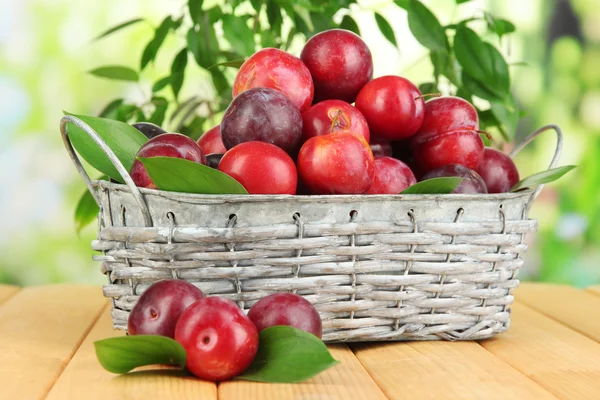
x,y
219,339
292,128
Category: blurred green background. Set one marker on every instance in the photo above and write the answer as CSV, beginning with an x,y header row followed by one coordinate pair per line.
x,y
46,48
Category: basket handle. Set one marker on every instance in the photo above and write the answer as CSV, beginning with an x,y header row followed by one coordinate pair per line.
x,y
139,198
557,151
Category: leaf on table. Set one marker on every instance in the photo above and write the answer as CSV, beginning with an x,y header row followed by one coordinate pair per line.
x,y
116,72
120,355
180,175
426,28
542,177
386,29
122,138
434,186
288,355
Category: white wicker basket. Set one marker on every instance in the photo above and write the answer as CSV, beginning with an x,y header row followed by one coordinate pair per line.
x,y
401,267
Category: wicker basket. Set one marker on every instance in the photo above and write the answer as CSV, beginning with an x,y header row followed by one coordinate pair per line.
x,y
412,267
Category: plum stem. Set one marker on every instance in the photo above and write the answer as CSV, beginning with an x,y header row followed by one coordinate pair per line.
x,y
335,120
487,135
426,95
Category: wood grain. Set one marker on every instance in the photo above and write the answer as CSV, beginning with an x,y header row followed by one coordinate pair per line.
x,y
84,377
561,360
347,380
40,329
7,291
577,309
595,290
442,370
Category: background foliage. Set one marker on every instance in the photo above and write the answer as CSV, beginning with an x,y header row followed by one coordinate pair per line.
x,y
175,67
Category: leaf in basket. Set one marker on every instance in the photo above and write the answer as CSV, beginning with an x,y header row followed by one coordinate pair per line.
x,y
434,186
180,175
288,355
120,355
123,139
542,177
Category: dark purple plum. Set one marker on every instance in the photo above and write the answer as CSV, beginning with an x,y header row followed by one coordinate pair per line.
x,y
286,309
498,171
213,160
159,307
265,115
472,183
149,129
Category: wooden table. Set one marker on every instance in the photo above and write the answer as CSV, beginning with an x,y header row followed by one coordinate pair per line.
x,y
552,351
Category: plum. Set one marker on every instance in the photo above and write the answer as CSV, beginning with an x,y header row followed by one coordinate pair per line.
x,y
472,183
160,306
265,115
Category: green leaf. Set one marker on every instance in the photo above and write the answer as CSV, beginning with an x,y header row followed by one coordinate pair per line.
x,y
426,28
386,29
195,8
542,177
110,110
445,64
349,24
500,26
154,45
118,28
180,175
274,16
478,88
125,112
403,4
508,114
434,186
120,355
220,81
161,84
428,87
481,61
458,2
86,211
178,70
288,355
238,33
202,42
123,139
232,64
116,72
158,116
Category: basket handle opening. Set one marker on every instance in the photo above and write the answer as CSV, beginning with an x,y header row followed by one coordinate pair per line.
x,y
557,151
139,198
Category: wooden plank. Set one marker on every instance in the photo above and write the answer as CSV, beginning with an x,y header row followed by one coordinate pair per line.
x,y
84,377
7,291
347,380
595,290
443,370
40,329
561,360
577,309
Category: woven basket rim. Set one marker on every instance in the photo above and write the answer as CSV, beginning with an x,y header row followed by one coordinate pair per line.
x,y
314,198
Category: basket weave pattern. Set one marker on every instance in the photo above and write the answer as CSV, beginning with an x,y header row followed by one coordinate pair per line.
x,y
398,267
376,267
